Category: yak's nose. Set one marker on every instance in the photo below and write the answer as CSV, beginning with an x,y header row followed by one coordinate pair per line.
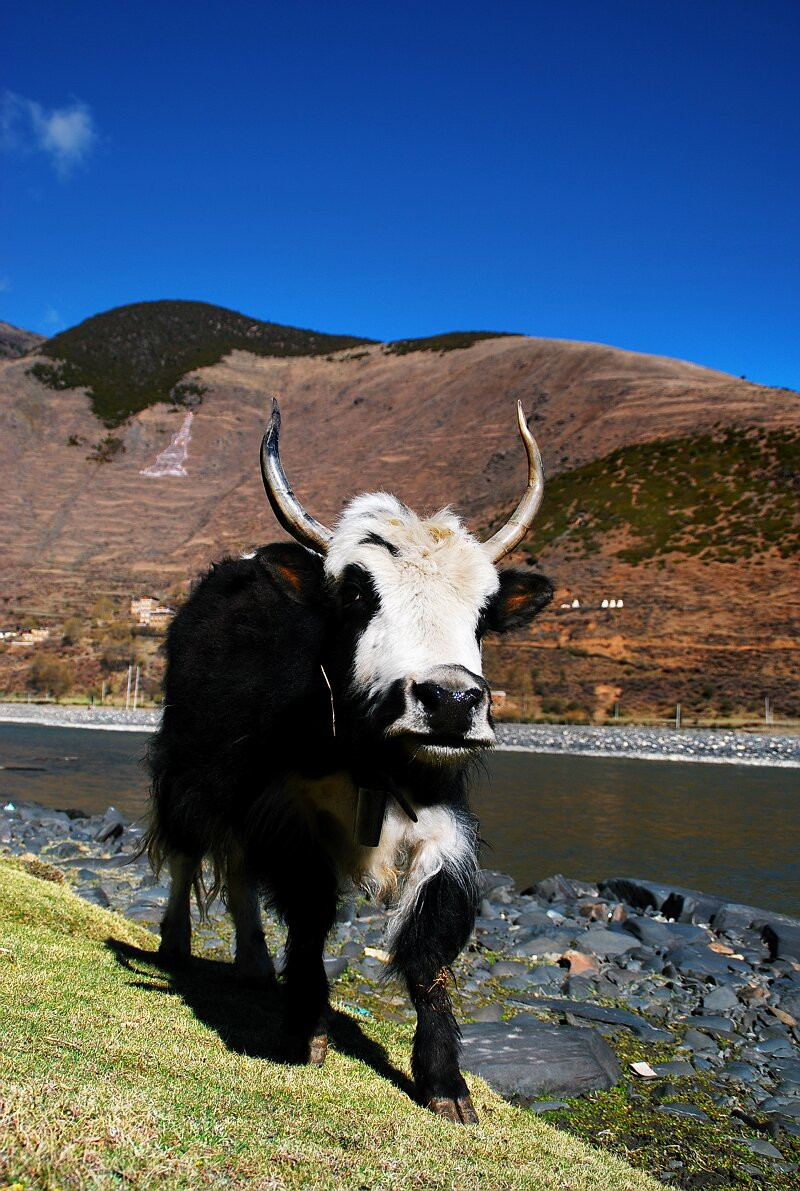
x,y
448,710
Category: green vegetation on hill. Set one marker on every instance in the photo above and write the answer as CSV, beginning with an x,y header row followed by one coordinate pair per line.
x,y
115,1074
719,497
134,356
450,341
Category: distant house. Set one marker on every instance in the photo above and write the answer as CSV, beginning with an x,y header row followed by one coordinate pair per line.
x,y
147,611
29,637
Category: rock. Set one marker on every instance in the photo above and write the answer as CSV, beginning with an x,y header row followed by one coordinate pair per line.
x,y
599,1013
489,1013
677,1068
651,932
782,939
720,999
758,1145
335,965
559,888
605,943
579,963
540,1106
544,946
112,826
698,961
520,1060
699,1043
683,1110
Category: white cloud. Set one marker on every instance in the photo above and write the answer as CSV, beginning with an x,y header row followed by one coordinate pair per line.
x,y
66,135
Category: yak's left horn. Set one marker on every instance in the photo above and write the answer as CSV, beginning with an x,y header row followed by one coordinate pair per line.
x,y
521,519
285,505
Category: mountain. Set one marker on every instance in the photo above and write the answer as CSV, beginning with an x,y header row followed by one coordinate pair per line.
x,y
15,342
672,487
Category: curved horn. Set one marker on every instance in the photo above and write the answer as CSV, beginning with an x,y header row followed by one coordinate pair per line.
x,y
521,519
285,505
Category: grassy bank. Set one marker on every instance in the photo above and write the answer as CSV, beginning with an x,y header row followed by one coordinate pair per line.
x,y
114,1075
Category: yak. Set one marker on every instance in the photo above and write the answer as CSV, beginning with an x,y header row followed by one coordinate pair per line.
x,y
323,704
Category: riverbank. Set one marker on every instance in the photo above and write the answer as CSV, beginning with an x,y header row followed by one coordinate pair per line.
x,y
658,744
564,986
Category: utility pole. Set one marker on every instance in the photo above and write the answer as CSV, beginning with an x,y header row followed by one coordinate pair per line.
x,y
677,715
136,689
128,691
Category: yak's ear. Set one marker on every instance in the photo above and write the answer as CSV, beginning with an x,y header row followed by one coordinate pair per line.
x,y
520,597
295,571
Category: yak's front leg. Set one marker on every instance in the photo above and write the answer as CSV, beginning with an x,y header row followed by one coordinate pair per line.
x,y
430,936
309,911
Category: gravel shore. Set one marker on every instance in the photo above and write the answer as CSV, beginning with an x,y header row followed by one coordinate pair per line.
x,y
657,744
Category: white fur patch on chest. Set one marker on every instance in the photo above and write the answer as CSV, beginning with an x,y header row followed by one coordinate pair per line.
x,y
408,854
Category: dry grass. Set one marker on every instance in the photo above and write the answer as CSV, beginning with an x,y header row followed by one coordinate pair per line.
x,y
114,1075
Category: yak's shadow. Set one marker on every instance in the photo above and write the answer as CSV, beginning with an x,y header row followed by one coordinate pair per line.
x,y
246,1018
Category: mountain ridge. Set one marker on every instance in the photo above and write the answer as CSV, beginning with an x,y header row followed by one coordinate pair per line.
x,y
438,427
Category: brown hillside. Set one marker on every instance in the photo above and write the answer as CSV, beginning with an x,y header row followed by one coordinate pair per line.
x,y
15,342
433,428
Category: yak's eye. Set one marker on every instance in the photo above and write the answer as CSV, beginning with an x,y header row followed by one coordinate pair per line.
x,y
351,595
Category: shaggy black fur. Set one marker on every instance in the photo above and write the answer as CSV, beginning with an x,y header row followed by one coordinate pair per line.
x,y
246,707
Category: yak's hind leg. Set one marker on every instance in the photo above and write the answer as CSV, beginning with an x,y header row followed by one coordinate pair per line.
x,y
253,961
431,932
176,925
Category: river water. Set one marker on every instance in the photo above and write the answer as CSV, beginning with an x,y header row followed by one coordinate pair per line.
x,y
731,830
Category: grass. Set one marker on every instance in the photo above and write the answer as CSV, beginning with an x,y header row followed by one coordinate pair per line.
x,y
720,497
113,1074
135,356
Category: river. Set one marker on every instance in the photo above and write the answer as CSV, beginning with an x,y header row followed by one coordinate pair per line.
x,y
731,830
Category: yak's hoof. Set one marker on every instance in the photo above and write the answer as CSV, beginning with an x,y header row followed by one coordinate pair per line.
x,y
257,975
458,1109
173,957
317,1049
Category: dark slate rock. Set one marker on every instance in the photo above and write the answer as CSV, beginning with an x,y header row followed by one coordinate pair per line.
x,y
335,966
605,943
561,888
720,999
650,932
758,1145
715,1025
699,1043
541,945
600,1013
112,826
489,1013
677,1068
546,974
686,905
782,939
698,961
642,895
525,1059
683,1110
491,879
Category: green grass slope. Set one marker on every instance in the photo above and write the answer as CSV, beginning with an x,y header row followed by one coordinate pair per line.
x,y
114,1075
718,497
134,356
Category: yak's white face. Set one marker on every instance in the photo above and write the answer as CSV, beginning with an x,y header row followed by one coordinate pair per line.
x,y
426,582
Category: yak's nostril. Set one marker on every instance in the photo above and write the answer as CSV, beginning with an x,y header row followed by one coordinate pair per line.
x,y
436,698
430,694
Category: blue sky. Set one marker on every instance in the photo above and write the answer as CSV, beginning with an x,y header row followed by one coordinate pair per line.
x,y
621,171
